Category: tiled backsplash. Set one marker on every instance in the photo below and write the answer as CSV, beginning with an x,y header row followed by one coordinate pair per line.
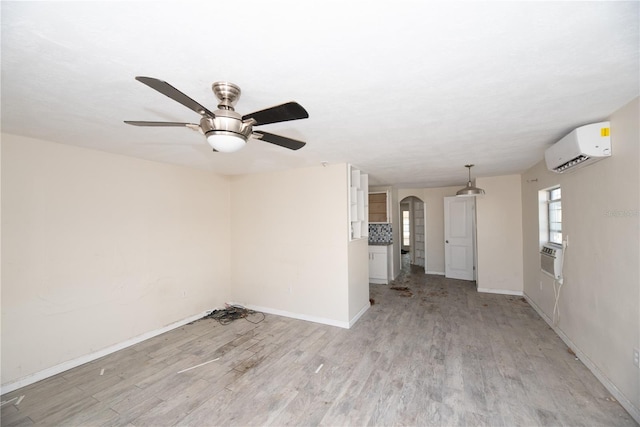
x,y
380,233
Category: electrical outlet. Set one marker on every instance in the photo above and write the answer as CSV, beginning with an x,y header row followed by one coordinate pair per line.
x,y
636,358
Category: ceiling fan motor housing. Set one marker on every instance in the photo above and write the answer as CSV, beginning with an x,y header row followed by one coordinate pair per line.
x,y
226,122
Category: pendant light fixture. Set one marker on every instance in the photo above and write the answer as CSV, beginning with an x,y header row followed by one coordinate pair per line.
x,y
469,190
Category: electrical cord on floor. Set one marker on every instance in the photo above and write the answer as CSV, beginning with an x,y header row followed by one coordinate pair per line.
x,y
233,312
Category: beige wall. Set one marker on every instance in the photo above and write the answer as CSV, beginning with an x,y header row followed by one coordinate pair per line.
x,y
433,199
98,249
358,279
499,235
290,243
600,297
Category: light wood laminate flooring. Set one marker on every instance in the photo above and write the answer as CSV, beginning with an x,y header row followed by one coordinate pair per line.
x,y
438,354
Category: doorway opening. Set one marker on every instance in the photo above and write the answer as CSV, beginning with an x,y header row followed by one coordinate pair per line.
x,y
413,247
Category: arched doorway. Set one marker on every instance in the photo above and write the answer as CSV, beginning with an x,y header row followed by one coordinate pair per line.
x,y
413,232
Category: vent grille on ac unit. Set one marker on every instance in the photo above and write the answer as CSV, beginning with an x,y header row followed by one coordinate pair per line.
x,y
571,163
551,261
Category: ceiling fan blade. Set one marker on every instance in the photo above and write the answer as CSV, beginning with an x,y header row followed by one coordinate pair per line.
x,y
139,123
282,141
279,113
173,93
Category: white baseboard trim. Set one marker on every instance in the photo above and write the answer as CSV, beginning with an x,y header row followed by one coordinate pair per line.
x,y
439,273
65,366
359,314
323,320
500,291
379,281
621,398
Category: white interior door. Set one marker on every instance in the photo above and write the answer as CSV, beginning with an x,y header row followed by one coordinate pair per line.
x,y
459,237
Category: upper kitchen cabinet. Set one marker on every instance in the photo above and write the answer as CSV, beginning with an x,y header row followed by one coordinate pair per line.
x,y
379,207
358,204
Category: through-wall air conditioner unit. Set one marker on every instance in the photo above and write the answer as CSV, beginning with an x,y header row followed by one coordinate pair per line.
x,y
551,261
581,147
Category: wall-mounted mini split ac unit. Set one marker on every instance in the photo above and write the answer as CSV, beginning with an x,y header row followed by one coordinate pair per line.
x,y
581,147
551,261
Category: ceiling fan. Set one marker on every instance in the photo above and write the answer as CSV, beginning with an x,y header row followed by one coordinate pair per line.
x,y
225,129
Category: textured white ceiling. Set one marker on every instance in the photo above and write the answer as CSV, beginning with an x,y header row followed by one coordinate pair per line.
x,y
408,91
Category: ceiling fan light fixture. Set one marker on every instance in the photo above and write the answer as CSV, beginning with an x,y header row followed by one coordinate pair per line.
x,y
470,189
225,142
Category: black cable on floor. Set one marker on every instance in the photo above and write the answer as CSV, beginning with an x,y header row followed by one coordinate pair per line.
x,y
233,312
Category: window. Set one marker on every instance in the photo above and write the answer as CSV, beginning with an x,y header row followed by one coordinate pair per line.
x,y
554,211
406,233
